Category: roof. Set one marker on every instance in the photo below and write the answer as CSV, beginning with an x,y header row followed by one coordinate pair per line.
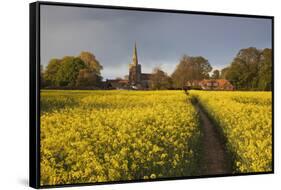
x,y
146,76
221,82
121,81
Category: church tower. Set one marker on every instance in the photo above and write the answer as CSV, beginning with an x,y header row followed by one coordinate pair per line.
x,y
135,55
135,69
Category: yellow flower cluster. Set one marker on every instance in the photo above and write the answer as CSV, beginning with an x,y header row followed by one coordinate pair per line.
x,y
246,120
98,136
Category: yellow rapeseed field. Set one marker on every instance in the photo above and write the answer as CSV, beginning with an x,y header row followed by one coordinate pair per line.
x,y
246,120
99,136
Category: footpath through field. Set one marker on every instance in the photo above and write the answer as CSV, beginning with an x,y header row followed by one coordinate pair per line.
x,y
214,159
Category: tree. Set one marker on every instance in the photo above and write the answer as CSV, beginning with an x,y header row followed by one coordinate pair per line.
x,y
69,70
91,61
190,68
86,78
50,74
159,80
224,72
42,78
92,74
216,74
265,70
83,70
250,69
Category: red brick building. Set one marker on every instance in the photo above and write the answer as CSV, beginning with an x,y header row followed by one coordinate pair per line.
x,y
211,84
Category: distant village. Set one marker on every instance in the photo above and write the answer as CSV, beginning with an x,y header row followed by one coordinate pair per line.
x,y
139,80
249,70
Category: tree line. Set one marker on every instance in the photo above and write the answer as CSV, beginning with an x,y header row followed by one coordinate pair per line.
x,y
71,71
251,69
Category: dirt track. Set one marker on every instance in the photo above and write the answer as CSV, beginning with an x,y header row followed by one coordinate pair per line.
x,y
214,159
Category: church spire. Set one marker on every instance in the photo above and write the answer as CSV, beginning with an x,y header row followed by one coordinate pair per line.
x,y
135,55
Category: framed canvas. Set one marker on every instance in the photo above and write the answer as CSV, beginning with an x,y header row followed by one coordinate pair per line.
x,y
123,94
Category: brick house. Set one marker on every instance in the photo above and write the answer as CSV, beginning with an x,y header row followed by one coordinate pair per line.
x,y
211,84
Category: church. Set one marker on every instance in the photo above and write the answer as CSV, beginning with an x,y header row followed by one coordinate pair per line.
x,y
136,79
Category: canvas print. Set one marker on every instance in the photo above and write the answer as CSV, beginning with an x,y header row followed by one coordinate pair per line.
x,y
136,95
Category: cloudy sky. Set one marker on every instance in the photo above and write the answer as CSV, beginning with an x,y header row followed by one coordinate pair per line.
x,y
162,38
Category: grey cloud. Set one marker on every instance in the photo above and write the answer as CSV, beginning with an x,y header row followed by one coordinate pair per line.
x,y
162,38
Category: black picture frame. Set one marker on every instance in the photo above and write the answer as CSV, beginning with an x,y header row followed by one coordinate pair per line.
x,y
34,89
